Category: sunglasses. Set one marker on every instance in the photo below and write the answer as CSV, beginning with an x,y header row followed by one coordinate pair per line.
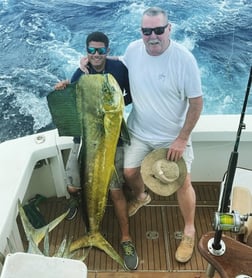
x,y
157,30
100,50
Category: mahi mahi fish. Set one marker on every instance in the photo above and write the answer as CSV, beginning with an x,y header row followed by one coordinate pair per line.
x,y
92,108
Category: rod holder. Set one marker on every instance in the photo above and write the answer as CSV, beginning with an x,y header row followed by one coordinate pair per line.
x,y
216,252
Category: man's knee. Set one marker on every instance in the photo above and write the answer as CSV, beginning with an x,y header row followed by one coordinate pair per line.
x,y
130,173
187,183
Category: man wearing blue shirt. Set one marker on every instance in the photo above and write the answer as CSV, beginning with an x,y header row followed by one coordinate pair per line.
x,y
97,45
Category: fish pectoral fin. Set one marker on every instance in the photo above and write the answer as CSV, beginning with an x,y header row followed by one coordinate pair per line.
x,y
62,106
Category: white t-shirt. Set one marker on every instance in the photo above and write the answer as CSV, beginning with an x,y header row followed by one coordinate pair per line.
x,y
160,87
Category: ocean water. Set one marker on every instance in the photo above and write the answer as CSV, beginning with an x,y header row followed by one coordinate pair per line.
x,y
42,42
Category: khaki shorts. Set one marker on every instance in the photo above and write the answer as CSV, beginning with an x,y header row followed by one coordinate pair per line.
x,y
137,150
117,179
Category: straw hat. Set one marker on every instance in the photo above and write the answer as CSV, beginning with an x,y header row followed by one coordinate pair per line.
x,y
162,176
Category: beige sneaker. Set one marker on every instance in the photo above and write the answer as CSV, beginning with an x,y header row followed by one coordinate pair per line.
x,y
136,204
185,250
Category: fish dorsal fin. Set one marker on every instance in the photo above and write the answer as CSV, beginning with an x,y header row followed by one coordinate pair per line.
x,y
62,105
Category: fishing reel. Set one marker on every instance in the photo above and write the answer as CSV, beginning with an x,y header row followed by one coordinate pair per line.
x,y
229,221
232,222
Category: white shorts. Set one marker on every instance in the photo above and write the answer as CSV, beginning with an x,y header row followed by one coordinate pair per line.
x,y
137,150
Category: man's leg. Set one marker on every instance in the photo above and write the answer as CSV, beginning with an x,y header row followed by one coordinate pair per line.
x,y
121,211
129,251
73,179
134,180
72,169
187,203
120,206
133,156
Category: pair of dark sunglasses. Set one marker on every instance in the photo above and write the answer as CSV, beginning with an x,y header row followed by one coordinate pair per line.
x,y
100,50
157,30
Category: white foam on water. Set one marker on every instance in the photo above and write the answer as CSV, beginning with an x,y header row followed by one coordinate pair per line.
x,y
42,42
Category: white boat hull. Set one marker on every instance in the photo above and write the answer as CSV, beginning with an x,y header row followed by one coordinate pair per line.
x,y
213,140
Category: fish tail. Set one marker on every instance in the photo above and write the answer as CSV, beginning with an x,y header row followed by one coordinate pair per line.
x,y
97,240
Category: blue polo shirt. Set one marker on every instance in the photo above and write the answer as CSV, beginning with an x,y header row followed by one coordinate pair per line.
x,y
119,72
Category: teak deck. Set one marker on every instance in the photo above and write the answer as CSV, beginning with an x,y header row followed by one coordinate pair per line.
x,y
156,232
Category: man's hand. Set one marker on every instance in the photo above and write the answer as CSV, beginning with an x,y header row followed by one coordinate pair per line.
x,y
176,149
61,85
84,65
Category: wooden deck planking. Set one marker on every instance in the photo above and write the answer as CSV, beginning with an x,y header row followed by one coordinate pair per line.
x,y
156,255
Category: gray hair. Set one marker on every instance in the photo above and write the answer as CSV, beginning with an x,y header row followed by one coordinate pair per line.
x,y
153,11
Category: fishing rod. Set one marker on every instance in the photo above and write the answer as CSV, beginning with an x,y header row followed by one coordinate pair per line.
x,y
224,205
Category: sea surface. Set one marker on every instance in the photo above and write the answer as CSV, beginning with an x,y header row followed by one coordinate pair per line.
x,y
42,42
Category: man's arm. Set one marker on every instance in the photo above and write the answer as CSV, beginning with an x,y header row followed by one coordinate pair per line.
x,y
178,146
193,114
63,84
